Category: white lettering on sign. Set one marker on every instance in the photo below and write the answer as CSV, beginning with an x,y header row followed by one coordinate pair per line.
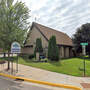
x,y
15,47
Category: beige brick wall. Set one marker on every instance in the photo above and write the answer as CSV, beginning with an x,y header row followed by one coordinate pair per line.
x,y
71,52
64,51
27,50
61,52
34,34
67,52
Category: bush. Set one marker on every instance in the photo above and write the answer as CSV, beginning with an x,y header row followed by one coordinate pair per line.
x,y
53,53
31,56
38,47
24,55
27,56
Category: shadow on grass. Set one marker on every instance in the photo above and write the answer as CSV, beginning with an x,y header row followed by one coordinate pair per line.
x,y
34,60
8,58
86,58
68,58
27,60
55,63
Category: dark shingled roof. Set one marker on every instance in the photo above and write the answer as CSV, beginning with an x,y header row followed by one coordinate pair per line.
x,y
61,38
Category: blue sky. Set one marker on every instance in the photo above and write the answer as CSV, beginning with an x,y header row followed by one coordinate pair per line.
x,y
62,15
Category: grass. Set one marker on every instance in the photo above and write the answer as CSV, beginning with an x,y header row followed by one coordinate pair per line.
x,y
72,66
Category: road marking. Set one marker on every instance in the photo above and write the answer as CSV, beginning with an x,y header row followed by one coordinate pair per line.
x,y
42,82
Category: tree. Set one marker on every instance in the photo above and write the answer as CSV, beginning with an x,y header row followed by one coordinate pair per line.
x,y
13,23
53,53
38,47
82,35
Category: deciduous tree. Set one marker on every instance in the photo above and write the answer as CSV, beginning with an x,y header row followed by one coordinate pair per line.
x,y
13,23
82,35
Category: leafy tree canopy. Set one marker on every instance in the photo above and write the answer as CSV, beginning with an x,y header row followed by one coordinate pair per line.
x,y
13,22
82,35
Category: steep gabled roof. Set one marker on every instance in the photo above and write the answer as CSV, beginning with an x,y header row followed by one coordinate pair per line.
x,y
61,38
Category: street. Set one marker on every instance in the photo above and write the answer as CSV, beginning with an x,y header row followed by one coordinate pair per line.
x,y
9,84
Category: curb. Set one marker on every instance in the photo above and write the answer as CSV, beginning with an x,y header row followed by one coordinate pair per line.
x,y
41,82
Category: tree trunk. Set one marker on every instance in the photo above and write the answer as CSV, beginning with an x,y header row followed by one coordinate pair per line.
x,y
8,65
8,61
4,54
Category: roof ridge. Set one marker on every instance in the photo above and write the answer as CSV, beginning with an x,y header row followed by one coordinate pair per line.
x,y
62,38
49,28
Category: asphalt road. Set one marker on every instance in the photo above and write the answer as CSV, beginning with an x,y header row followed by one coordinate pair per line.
x,y
9,84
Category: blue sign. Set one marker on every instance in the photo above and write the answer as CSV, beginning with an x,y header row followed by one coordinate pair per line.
x,y
15,47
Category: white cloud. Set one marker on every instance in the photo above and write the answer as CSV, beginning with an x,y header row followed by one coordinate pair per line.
x,y
63,15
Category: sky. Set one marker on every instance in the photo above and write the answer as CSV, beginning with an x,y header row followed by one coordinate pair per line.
x,y
62,15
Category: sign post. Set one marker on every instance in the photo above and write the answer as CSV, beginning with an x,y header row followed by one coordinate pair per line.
x,y
16,49
84,53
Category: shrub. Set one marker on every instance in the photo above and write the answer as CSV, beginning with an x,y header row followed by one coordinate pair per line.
x,y
24,55
31,56
27,56
38,47
53,53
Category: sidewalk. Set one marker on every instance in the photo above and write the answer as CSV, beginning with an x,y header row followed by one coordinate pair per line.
x,y
43,75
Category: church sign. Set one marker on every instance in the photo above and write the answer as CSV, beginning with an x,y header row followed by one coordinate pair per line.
x,y
15,47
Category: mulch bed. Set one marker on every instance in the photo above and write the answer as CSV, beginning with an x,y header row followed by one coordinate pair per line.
x,y
2,62
85,85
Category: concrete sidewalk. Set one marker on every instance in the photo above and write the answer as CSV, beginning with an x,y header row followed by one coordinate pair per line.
x,y
43,75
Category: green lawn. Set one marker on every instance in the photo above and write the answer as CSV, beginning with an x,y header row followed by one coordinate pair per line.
x,y
73,66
